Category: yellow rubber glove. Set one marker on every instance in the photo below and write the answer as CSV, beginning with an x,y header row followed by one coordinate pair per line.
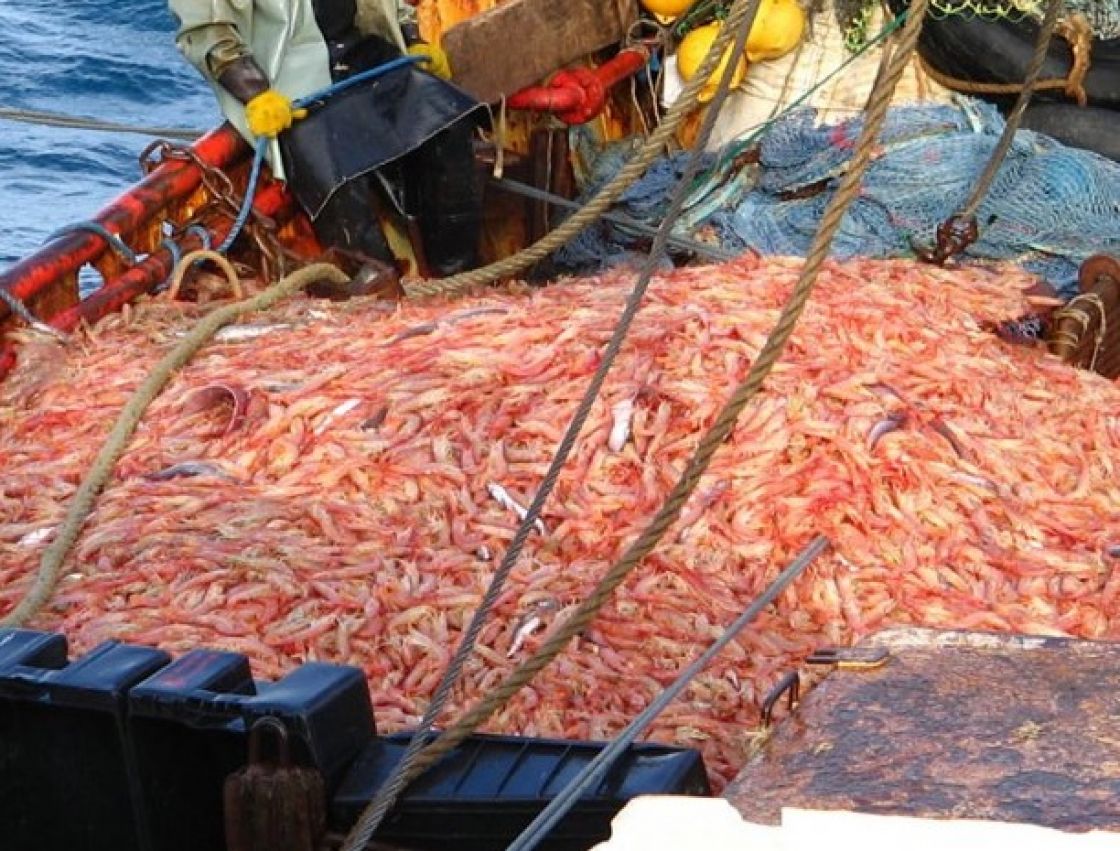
x,y
270,112
437,63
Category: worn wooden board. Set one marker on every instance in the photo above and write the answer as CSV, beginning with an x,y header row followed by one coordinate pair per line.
x,y
961,725
520,42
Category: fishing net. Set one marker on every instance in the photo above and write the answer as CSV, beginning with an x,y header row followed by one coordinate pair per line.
x,y
1103,16
1049,208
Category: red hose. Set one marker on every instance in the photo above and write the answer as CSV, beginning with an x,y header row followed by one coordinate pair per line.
x,y
576,95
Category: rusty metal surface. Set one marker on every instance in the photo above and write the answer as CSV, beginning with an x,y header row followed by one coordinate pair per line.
x,y
963,725
1086,332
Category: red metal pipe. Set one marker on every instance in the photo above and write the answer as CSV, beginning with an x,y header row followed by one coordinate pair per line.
x,y
272,200
576,95
173,180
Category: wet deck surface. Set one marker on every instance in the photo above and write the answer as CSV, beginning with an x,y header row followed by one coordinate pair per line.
x,y
965,725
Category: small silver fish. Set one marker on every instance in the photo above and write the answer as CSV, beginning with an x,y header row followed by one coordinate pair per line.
x,y
478,311
340,410
621,414
32,539
426,328
502,497
942,428
889,423
978,481
188,469
240,333
414,331
530,622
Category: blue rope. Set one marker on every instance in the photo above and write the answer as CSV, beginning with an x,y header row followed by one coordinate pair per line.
x,y
114,241
119,245
176,255
303,103
250,192
202,233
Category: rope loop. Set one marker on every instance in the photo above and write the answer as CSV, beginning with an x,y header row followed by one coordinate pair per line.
x,y
202,233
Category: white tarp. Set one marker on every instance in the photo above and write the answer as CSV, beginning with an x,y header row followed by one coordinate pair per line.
x,y
669,823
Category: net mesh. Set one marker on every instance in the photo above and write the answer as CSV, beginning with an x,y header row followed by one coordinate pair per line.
x,y
1049,208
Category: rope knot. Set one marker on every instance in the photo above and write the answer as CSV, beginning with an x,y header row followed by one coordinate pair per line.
x,y
1077,32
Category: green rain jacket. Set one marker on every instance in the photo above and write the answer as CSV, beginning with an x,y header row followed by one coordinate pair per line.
x,y
282,37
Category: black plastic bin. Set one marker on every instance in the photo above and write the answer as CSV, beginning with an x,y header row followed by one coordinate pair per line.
x,y
483,794
64,752
190,726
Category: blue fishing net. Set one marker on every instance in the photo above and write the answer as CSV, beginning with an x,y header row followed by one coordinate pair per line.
x,y
1049,208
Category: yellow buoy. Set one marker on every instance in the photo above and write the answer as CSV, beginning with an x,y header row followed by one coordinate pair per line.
x,y
776,31
666,11
694,47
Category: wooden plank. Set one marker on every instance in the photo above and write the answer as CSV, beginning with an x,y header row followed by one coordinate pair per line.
x,y
955,724
520,42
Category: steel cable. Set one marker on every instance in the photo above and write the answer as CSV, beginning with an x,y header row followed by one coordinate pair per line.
x,y
1015,117
593,772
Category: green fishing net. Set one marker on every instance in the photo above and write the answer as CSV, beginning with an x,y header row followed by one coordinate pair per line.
x,y
1103,15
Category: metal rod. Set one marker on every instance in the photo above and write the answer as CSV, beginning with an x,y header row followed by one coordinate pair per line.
x,y
593,773
711,252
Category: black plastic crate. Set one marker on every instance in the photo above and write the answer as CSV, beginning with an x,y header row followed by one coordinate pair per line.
x,y
190,725
65,772
483,794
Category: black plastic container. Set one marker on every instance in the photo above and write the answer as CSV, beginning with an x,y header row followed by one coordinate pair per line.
x,y
483,794
65,761
190,724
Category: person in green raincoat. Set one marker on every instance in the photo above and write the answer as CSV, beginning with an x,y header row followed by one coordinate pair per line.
x,y
404,138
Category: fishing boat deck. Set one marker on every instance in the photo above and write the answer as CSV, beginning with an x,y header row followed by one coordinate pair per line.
x,y
951,725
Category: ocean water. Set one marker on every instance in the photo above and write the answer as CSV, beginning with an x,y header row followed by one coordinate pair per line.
x,y
113,60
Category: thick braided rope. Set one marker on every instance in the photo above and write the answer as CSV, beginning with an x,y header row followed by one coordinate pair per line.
x,y
1015,117
670,511
98,475
391,789
971,87
652,148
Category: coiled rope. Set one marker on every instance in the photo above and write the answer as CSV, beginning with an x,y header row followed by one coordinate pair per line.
x,y
20,310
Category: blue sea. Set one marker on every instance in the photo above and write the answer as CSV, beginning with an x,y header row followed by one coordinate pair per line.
x,y
113,60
